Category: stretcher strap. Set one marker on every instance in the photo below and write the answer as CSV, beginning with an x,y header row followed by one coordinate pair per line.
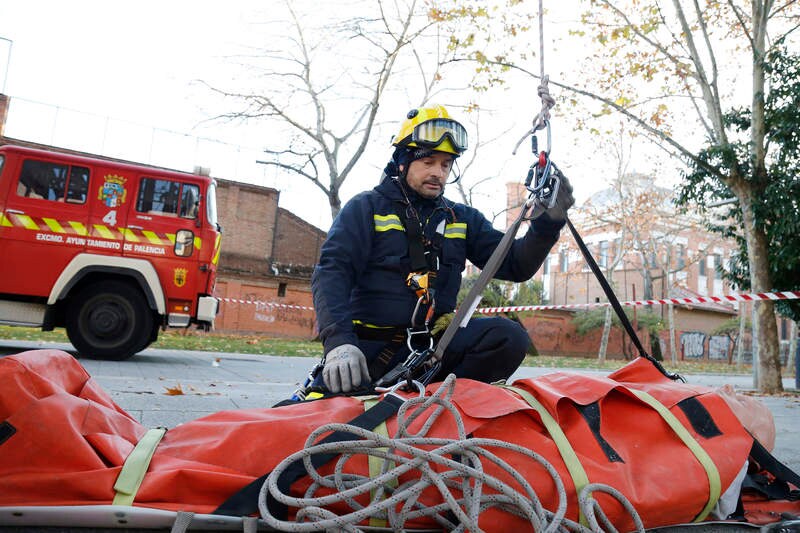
x,y
570,458
245,501
135,467
376,464
714,483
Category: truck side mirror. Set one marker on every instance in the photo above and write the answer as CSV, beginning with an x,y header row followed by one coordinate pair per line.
x,y
184,243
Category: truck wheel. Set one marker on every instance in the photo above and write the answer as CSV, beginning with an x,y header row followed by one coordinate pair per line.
x,y
109,320
147,340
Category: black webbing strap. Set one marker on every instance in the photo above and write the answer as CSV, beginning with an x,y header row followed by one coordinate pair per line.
x,y
378,366
612,299
473,298
778,489
416,242
245,502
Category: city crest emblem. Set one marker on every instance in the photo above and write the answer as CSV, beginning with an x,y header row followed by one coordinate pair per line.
x,y
112,192
180,277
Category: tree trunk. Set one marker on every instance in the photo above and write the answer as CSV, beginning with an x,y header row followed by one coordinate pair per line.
x,y
335,202
740,340
673,350
769,377
769,370
601,356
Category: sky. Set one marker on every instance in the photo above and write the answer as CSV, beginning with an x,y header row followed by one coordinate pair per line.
x,y
123,79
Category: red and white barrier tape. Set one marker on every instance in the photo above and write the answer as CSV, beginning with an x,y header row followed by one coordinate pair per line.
x,y
783,295
749,297
267,304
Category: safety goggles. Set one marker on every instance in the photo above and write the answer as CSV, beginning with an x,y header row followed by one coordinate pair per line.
x,y
432,132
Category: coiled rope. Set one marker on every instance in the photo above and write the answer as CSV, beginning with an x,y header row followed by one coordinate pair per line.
x,y
460,480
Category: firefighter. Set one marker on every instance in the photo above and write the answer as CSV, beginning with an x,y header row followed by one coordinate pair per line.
x,y
366,295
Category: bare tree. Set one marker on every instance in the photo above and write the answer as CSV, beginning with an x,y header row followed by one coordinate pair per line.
x,y
468,186
321,89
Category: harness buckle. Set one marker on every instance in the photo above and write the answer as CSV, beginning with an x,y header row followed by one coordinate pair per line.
x,y
419,283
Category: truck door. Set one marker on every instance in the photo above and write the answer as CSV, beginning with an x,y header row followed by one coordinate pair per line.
x,y
44,220
110,200
163,226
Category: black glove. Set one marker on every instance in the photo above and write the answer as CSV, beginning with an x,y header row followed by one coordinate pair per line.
x,y
564,200
345,368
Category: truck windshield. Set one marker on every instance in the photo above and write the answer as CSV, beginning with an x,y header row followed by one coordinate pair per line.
x,y
211,204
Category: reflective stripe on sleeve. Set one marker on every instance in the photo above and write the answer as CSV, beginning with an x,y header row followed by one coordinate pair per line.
x,y
456,230
387,222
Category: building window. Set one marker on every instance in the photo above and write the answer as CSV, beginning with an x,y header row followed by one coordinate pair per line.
x,y
563,260
546,266
603,255
702,266
281,290
717,266
53,181
681,256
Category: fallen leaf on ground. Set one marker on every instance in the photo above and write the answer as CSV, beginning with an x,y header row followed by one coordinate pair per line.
x,y
174,391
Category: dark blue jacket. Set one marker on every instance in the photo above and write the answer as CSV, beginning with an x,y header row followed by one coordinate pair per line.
x,y
364,261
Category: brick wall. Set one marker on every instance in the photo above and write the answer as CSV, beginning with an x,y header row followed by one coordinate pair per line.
x,y
262,310
267,257
247,214
296,241
553,333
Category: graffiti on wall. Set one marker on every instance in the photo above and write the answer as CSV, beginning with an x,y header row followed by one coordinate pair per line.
x,y
263,312
298,317
718,346
270,313
693,344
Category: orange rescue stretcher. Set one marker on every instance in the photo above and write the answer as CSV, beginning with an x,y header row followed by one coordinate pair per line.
x,y
69,456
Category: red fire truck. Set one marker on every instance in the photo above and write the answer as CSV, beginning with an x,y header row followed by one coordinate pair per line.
x,y
111,251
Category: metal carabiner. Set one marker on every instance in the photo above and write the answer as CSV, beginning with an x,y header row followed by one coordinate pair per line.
x,y
412,333
535,139
400,385
540,170
546,186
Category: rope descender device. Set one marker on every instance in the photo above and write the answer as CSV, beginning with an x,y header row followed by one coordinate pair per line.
x,y
541,181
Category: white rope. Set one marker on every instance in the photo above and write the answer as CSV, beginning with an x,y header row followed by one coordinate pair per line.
x,y
548,102
461,479
544,90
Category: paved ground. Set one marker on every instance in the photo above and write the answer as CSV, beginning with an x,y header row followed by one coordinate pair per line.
x,y
213,382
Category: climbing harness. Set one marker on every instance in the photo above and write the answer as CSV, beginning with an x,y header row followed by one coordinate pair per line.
x,y
420,341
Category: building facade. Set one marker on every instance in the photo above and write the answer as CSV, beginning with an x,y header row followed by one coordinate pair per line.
x,y
647,251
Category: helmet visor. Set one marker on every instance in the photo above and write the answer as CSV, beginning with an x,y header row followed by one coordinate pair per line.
x,y
432,132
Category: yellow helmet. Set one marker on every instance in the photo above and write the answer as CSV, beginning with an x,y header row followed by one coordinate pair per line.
x,y
432,127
